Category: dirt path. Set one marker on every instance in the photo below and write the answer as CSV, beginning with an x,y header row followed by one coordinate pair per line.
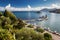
x,y
54,36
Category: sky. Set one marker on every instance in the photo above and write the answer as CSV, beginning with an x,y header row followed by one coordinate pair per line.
x,y
25,4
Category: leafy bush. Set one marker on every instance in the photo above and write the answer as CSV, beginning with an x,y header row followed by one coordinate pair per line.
x,y
39,30
8,26
0,22
6,35
28,34
7,20
47,36
20,24
30,26
1,14
2,18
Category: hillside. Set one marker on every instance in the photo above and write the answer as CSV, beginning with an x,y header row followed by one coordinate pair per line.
x,y
12,28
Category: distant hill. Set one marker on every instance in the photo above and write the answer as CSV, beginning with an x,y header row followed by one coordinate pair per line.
x,y
52,10
46,9
55,11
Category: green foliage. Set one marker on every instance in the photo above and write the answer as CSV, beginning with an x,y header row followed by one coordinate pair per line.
x,y
38,29
12,28
20,24
0,22
2,18
47,36
28,34
10,15
30,26
1,14
6,21
8,26
5,35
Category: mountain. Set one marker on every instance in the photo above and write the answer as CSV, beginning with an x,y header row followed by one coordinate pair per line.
x,y
52,10
55,11
47,10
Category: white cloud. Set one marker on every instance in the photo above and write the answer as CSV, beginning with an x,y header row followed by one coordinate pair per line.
x,y
44,0
8,6
55,6
29,8
51,6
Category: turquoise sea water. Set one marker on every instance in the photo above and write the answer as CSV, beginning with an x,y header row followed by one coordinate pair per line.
x,y
53,21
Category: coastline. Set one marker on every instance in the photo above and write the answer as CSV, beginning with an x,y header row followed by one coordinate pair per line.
x,y
55,35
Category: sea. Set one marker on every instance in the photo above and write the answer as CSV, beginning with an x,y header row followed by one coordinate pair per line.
x,y
53,22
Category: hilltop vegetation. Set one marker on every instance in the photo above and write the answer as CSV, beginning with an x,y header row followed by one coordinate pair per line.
x,y
12,28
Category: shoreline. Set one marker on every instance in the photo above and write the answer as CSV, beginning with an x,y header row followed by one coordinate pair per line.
x,y
55,35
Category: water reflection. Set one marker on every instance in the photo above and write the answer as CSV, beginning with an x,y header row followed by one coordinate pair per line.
x,y
42,23
43,14
52,18
29,16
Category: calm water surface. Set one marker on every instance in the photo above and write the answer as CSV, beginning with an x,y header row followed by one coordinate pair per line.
x,y
53,21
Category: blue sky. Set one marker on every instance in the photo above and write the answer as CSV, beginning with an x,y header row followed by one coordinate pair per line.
x,y
24,3
28,5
